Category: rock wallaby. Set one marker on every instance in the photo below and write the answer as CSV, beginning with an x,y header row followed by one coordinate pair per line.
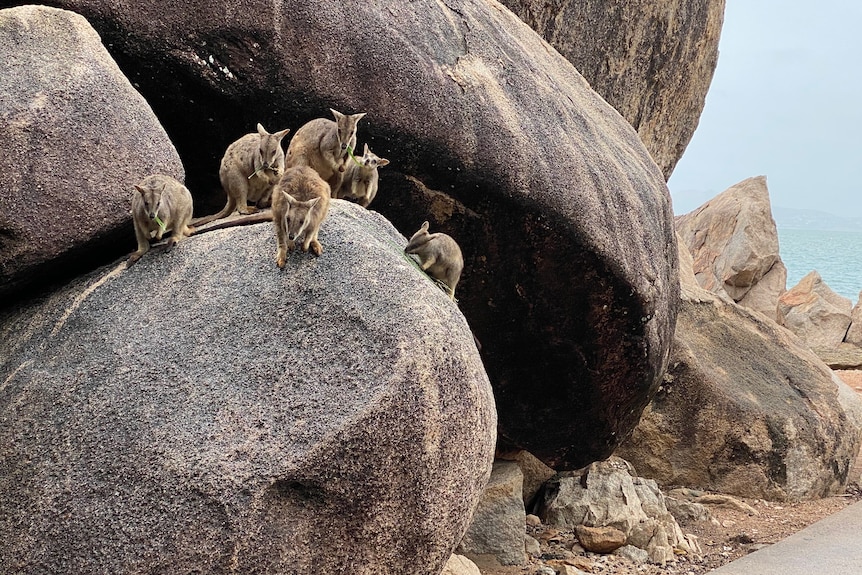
x,y
159,204
360,179
325,145
439,256
299,205
250,169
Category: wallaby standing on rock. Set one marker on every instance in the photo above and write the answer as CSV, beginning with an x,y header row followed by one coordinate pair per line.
x,y
325,145
160,203
250,169
360,179
299,205
439,256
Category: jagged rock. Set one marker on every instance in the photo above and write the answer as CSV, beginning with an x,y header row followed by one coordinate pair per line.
x,y
815,313
843,356
600,539
687,511
634,554
734,244
76,137
535,473
608,494
563,217
205,411
779,425
652,60
460,565
498,527
854,332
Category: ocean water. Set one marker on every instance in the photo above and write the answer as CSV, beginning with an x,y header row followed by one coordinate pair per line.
x,y
836,255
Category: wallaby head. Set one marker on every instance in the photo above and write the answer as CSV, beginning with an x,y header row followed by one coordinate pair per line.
x,y
370,161
418,239
152,198
346,127
270,154
299,216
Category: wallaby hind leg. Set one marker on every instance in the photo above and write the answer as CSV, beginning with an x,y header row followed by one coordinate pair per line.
x,y
236,187
451,282
143,246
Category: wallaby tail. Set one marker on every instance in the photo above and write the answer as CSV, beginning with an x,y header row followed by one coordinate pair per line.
x,y
225,211
243,220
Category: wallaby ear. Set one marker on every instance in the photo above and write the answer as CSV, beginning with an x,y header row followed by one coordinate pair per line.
x,y
357,117
261,130
365,149
290,199
382,162
312,202
424,227
282,133
141,190
338,115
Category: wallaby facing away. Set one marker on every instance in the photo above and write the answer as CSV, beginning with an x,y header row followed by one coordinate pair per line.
x,y
439,255
323,144
250,169
160,203
360,180
299,205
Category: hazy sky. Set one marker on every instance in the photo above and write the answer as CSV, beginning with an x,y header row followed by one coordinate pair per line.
x,y
785,102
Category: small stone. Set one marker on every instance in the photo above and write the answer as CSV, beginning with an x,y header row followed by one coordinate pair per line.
x,y
533,520
531,546
634,554
600,539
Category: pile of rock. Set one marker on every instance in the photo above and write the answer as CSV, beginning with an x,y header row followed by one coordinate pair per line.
x,y
733,241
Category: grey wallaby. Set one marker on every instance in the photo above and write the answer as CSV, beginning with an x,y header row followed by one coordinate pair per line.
x,y
250,169
299,205
360,178
439,256
160,204
325,145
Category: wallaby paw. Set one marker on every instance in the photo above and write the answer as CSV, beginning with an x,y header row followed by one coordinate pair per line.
x,y
248,210
280,260
316,248
170,245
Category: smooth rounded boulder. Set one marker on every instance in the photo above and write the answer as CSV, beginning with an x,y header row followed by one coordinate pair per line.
x,y
652,60
77,137
205,411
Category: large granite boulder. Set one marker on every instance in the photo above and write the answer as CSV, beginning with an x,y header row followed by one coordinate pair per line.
x,y
563,217
818,315
746,409
734,242
652,60
76,137
205,411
